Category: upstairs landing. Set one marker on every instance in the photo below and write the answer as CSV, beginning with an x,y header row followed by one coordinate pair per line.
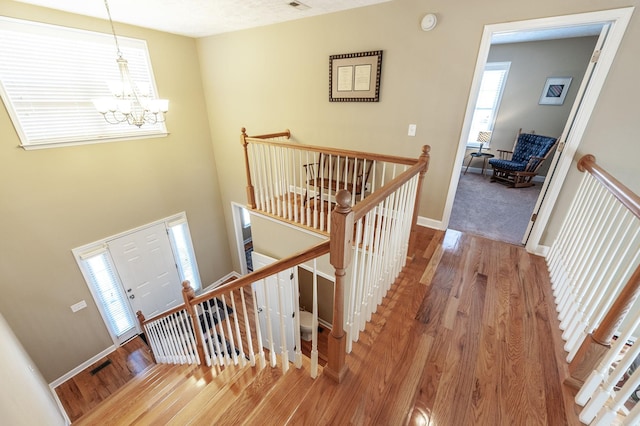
x,y
466,336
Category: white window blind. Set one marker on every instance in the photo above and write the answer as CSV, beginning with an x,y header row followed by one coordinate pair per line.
x,y
183,252
494,79
50,74
109,292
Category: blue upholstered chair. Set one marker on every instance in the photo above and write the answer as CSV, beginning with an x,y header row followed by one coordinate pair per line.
x,y
518,167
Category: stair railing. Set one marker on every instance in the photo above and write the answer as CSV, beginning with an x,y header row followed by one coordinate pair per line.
x,y
594,266
297,183
221,327
369,248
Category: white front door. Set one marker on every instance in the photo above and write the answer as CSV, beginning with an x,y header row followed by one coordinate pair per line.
x,y
276,308
147,269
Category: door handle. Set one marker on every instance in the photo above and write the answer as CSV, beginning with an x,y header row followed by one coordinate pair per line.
x,y
132,296
259,310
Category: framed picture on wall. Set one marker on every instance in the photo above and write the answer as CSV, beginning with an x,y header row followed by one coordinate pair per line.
x,y
555,90
355,77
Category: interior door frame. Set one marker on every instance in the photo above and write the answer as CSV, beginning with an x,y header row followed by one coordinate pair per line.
x,y
237,230
619,19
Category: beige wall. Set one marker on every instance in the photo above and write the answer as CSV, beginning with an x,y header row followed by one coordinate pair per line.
x,y
531,64
275,77
56,199
266,79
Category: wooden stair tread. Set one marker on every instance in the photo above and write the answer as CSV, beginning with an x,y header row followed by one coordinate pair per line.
x,y
137,395
178,397
247,400
216,394
285,396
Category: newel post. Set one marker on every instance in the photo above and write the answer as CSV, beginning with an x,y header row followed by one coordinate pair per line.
x,y
188,294
424,158
251,195
340,258
595,346
141,320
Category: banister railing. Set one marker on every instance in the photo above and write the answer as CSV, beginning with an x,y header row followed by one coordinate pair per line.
x,y
221,327
297,183
594,266
368,247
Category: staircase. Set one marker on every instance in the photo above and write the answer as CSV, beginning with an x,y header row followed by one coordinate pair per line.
x,y
193,394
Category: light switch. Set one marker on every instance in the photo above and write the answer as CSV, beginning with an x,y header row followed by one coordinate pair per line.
x,y
80,305
412,130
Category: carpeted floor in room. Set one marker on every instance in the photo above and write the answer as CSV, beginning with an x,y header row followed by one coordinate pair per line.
x,y
491,209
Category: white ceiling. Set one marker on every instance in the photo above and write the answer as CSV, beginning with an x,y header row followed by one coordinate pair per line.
x,y
199,18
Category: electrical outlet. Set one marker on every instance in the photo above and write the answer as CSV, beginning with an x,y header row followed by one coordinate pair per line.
x,y
412,130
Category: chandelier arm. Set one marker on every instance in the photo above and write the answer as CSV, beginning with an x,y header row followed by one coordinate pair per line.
x,y
131,106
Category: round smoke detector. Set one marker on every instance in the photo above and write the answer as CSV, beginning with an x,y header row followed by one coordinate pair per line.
x,y
429,22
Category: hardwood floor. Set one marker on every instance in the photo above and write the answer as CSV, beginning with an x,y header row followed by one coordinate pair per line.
x,y
466,336
89,388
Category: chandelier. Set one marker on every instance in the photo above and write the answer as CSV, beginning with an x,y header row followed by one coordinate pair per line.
x,y
130,102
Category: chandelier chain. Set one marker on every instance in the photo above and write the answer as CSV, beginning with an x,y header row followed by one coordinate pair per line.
x,y
113,30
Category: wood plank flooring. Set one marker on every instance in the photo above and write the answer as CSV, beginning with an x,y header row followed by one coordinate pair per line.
x,y
466,336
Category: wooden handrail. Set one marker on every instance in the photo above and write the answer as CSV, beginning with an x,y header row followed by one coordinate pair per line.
x,y
162,314
617,189
286,133
595,346
364,206
279,266
337,151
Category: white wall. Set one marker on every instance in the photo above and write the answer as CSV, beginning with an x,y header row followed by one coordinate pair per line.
x,y
25,399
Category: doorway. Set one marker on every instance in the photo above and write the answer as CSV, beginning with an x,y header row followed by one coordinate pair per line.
x,y
244,239
617,20
276,299
518,65
139,270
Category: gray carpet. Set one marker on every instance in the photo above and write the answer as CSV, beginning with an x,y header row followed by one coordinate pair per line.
x,y
491,209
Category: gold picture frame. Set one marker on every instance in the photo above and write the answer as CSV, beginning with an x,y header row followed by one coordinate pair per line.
x,y
355,77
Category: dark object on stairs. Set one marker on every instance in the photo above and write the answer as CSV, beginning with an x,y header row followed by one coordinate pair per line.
x,y
144,338
518,167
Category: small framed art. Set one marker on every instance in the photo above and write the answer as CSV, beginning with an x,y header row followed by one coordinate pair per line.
x,y
355,77
555,90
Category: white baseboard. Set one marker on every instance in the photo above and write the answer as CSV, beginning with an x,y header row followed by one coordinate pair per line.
x,y
541,250
60,380
232,274
431,223
60,406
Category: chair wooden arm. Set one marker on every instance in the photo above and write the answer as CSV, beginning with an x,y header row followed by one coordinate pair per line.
x,y
504,154
311,170
534,163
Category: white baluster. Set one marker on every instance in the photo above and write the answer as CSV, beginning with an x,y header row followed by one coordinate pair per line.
x,y
238,335
296,326
314,323
272,352
231,340
261,358
247,329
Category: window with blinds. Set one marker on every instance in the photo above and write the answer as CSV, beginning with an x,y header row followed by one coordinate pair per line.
x,y
107,289
494,79
49,76
183,252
